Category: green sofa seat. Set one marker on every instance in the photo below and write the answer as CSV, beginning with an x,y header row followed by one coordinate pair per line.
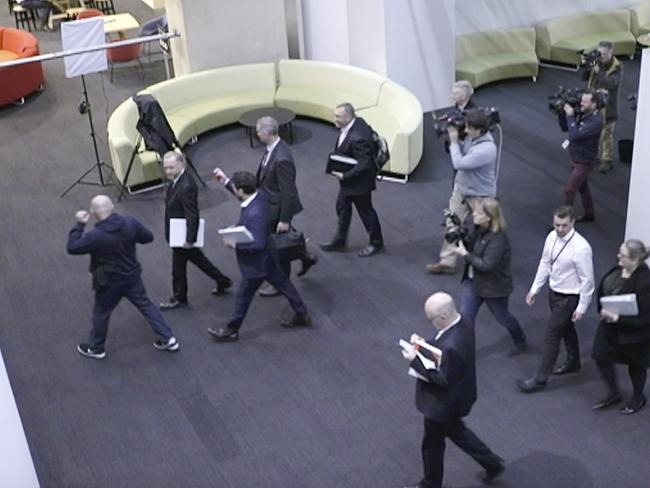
x,y
317,102
640,19
483,57
560,39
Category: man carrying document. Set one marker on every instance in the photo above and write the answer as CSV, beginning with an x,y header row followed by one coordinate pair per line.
x,y
251,241
446,390
182,216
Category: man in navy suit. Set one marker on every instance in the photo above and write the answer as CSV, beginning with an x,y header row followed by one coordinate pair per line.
x,y
446,394
357,184
255,259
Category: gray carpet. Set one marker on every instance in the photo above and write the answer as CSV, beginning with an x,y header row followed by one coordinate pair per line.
x,y
326,407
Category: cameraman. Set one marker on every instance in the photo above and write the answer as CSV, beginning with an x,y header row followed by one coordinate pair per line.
x,y
475,165
487,276
584,133
605,73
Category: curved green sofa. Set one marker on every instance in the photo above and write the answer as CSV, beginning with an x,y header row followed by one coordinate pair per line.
x,y
560,39
640,19
199,102
483,57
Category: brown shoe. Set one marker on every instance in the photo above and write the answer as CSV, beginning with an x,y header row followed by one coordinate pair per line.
x,y
439,268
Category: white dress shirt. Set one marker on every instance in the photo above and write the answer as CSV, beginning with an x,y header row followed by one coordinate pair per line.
x,y
568,266
248,201
344,132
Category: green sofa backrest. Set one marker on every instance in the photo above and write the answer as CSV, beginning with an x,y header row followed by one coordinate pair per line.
x,y
587,23
639,15
402,104
218,82
495,42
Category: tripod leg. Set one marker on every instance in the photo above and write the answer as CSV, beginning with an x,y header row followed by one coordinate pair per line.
x,y
128,168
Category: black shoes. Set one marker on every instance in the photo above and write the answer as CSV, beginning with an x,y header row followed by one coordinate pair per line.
x,y
633,406
370,250
172,304
494,473
298,320
308,261
86,350
224,334
585,218
332,246
607,402
566,368
531,385
222,287
170,345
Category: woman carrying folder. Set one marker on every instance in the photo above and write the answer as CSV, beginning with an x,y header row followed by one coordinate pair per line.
x,y
487,276
625,339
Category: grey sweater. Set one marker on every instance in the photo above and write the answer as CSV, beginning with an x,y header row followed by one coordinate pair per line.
x,y
475,164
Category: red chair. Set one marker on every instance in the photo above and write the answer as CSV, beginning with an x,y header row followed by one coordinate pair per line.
x,y
16,82
88,13
124,54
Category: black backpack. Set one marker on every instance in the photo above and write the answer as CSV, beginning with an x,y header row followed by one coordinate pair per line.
x,y
380,152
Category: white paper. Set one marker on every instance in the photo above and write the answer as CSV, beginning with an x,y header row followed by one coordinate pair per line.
x,y
343,159
238,233
433,349
621,304
178,233
84,33
417,375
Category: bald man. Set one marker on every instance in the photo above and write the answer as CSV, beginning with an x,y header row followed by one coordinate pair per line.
x,y
116,272
445,395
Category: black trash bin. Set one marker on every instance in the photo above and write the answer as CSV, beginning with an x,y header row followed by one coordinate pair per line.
x,y
625,148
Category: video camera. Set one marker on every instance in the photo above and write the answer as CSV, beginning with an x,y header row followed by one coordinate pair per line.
x,y
452,116
455,231
572,97
590,58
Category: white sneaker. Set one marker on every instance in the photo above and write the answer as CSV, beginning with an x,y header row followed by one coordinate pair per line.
x,y
170,345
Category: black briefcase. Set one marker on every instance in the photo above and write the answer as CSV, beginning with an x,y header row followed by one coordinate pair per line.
x,y
289,245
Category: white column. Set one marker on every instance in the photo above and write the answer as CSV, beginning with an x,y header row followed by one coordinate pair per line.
x,y
638,203
217,33
325,26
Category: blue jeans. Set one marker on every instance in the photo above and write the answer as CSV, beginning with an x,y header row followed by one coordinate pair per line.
x,y
470,303
107,298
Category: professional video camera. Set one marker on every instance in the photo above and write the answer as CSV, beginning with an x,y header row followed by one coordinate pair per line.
x,y
455,231
452,116
572,97
590,58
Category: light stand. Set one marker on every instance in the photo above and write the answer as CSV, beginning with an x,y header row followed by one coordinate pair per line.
x,y
84,107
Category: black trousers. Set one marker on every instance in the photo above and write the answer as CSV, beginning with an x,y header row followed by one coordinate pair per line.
x,y
559,328
248,287
367,213
195,255
433,449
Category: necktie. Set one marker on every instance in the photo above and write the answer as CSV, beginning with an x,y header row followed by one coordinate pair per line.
x,y
265,158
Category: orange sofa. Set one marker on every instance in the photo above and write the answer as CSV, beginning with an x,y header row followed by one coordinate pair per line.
x,y
16,82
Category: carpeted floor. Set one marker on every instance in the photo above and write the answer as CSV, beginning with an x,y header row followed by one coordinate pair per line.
x,y
330,406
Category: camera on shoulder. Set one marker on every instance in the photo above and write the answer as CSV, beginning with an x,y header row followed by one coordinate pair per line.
x,y
590,58
453,117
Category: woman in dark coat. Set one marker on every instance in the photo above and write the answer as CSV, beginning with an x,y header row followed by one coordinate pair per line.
x,y
625,339
487,276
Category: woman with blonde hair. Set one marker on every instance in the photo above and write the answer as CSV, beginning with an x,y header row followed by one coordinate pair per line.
x,y
487,276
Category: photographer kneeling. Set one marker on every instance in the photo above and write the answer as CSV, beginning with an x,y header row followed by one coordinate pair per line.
x,y
475,165
487,276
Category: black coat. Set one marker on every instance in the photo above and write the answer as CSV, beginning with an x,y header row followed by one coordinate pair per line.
x,y
450,391
628,330
358,145
489,255
278,180
181,202
584,136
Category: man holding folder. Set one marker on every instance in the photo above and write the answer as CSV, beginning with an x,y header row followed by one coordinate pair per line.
x,y
181,202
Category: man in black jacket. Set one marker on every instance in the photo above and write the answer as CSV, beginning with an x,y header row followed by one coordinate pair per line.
x,y
445,395
584,134
357,184
116,272
605,74
181,202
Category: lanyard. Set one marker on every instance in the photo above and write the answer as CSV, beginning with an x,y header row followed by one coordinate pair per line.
x,y
553,259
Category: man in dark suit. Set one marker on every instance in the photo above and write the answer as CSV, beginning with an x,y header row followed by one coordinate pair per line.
x,y
256,260
357,184
446,394
181,202
276,176
116,272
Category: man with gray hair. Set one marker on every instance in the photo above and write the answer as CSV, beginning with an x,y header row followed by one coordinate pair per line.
x,y
116,272
461,94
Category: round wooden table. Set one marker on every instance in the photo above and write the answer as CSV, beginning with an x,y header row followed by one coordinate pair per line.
x,y
284,117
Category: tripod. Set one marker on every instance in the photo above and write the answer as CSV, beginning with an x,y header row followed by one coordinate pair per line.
x,y
84,107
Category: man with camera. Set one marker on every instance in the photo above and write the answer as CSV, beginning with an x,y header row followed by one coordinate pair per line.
x,y
584,126
602,71
475,165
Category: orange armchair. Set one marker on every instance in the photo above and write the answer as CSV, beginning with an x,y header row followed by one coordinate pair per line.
x,y
16,82
124,54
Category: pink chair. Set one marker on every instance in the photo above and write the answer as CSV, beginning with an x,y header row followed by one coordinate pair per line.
x,y
88,13
124,54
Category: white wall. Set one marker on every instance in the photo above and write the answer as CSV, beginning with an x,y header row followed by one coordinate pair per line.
x,y
638,223
367,35
483,15
326,30
16,466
